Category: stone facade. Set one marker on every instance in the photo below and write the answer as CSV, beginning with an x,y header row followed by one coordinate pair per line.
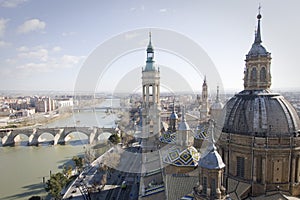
x,y
268,164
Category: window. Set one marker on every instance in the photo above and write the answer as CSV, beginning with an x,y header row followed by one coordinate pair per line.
x,y
253,74
213,187
240,167
263,75
204,185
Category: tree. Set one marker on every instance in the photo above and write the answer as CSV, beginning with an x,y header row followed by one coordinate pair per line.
x,y
79,162
55,184
103,181
114,138
67,171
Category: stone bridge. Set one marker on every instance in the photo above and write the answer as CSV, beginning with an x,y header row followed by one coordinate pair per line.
x,y
11,137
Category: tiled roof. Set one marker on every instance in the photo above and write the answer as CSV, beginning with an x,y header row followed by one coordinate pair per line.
x,y
181,157
179,186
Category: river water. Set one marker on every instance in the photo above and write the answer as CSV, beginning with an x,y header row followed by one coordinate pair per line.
x,y
22,168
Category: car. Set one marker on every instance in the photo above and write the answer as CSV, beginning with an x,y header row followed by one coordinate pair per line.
x,y
123,185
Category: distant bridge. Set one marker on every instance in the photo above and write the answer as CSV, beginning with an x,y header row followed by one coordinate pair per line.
x,y
11,137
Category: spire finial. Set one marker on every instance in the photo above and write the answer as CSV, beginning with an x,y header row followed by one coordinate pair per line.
x,y
258,35
174,104
183,113
150,37
217,98
212,127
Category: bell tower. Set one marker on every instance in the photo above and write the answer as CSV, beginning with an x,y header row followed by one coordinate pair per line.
x,y
151,95
204,102
257,75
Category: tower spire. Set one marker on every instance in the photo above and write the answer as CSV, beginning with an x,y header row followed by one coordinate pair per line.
x,y
217,98
258,35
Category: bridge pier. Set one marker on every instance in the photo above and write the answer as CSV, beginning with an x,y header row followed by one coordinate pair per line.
x,y
93,137
59,137
33,138
8,139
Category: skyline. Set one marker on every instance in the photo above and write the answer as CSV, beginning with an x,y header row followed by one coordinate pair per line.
x,y
44,46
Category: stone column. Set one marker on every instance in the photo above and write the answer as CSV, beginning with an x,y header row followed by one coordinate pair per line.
x,y
263,172
293,170
254,168
298,170
147,95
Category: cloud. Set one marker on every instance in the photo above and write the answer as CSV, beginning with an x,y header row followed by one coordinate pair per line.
x,y
31,25
23,48
11,3
163,10
66,34
130,36
3,23
4,44
39,59
56,49
69,61
38,54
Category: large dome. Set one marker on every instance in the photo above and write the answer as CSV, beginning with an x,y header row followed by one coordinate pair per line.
x,y
260,113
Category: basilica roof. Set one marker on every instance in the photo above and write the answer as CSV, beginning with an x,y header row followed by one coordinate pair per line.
x,y
182,157
168,137
260,113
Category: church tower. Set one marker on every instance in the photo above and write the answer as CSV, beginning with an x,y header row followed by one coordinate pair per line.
x,y
184,137
151,95
173,120
204,102
257,75
211,168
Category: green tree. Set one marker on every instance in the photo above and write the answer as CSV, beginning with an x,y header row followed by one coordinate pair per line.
x,y
55,184
79,162
114,138
67,171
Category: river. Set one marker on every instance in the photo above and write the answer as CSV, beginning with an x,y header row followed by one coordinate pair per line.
x,y
22,168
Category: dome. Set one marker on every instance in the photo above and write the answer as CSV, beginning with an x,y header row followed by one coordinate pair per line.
x,y
257,50
260,113
216,106
183,126
173,115
212,160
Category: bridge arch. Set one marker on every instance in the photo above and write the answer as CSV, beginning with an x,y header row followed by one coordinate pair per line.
x,y
21,139
104,136
46,137
76,135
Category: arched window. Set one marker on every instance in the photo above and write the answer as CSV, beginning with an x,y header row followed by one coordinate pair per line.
x,y
263,74
253,76
240,167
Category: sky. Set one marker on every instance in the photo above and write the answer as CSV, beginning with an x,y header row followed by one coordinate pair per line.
x,y
45,44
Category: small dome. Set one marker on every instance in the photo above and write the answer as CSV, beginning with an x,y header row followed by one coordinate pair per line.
x,y
260,113
217,106
173,115
257,50
183,126
212,160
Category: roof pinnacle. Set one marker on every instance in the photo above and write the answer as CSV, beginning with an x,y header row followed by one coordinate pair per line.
x,y
258,35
